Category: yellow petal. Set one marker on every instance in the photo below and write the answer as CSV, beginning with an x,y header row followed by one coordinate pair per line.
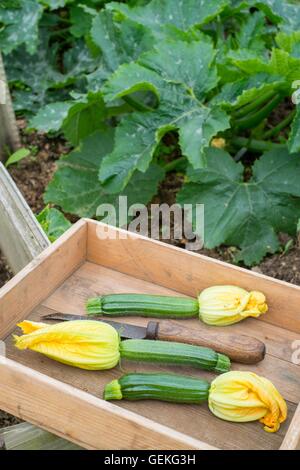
x,y
225,305
244,396
30,326
218,143
85,344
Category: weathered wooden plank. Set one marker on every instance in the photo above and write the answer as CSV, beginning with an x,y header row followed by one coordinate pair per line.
x,y
9,135
21,240
25,436
153,261
21,237
39,278
103,425
292,437
2,443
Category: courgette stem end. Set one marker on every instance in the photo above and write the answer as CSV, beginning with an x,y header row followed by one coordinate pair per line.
x,y
223,364
113,391
94,306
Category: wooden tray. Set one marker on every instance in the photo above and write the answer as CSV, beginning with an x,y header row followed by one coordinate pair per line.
x,y
67,401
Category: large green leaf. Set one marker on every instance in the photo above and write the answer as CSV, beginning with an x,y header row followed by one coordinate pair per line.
x,y
290,43
280,12
246,214
51,117
179,74
294,140
119,42
76,119
76,188
53,4
281,64
81,20
32,88
84,117
20,26
251,33
159,13
53,222
189,64
248,89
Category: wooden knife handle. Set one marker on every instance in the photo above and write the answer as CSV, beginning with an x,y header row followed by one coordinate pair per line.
x,y
240,348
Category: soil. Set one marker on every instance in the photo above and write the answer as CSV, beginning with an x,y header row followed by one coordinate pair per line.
x,y
33,174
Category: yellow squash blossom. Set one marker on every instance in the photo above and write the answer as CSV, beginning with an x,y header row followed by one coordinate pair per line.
x,y
245,396
218,143
225,305
85,344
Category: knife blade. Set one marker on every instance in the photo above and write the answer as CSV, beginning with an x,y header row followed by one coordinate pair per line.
x,y
240,348
125,330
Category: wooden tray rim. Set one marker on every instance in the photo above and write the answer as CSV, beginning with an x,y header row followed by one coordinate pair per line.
x,y
143,433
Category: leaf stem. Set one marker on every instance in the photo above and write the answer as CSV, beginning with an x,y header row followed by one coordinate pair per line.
x,y
256,145
174,164
137,105
253,105
252,120
282,125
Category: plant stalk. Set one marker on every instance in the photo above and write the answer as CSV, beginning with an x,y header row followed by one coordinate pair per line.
x,y
174,164
282,125
256,145
251,121
137,105
246,109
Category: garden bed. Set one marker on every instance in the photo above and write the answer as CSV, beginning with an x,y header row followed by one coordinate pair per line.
x,y
32,176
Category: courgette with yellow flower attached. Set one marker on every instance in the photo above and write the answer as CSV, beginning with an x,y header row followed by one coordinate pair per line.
x,y
234,396
219,305
164,387
94,345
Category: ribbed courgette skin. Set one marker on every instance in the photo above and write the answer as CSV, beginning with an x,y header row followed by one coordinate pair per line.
x,y
144,305
166,387
165,352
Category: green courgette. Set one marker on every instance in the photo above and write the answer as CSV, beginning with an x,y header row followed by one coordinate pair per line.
x,y
165,352
164,387
144,305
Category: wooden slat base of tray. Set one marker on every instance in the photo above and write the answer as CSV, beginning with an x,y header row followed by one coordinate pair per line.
x,y
196,421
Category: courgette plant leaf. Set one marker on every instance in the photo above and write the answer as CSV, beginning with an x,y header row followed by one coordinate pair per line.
x,y
51,117
281,64
179,74
246,214
36,88
76,188
159,13
84,117
81,20
119,43
77,119
53,222
20,26
280,12
251,33
294,139
54,4
247,89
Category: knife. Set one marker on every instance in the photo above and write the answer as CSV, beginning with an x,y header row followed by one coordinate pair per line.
x,y
240,348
